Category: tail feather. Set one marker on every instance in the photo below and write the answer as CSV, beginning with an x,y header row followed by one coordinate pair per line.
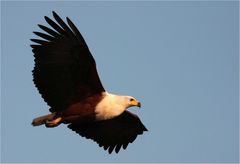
x,y
42,120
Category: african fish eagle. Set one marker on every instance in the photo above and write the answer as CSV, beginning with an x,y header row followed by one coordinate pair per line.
x,y
65,75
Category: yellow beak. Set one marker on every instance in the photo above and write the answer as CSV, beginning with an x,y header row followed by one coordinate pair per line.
x,y
136,103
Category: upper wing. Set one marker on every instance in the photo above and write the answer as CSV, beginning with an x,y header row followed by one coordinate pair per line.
x,y
111,134
65,71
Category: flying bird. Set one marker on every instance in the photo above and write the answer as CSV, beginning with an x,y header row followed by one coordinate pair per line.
x,y
65,75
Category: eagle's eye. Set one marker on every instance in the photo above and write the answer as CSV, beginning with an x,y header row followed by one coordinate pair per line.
x,y
131,99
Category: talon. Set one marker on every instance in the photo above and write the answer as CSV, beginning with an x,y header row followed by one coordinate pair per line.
x,y
53,123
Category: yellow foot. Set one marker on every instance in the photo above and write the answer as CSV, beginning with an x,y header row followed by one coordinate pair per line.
x,y
53,123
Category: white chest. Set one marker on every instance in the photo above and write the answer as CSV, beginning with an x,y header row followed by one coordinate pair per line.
x,y
109,107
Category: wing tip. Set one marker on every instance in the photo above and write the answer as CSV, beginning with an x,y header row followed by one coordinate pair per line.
x,y
47,18
39,25
145,129
33,46
54,13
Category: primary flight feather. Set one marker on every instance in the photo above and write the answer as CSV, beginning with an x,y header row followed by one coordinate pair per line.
x,y
66,76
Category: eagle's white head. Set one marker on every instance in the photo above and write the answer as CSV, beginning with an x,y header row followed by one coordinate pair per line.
x,y
130,101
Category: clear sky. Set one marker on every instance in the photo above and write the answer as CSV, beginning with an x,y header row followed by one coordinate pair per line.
x,y
179,58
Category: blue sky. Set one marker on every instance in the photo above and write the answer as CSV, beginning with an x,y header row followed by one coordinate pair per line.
x,y
180,59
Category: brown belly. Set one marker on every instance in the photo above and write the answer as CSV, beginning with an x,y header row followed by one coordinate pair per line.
x,y
81,111
78,112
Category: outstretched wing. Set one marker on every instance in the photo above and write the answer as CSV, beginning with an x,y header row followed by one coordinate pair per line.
x,y
111,134
65,71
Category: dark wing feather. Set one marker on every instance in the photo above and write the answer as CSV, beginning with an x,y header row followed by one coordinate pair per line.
x,y
49,31
44,36
65,71
111,134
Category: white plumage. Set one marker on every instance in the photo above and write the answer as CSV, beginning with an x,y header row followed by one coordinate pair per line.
x,y
112,106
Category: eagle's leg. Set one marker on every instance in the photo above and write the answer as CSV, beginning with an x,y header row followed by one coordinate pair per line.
x,y
53,123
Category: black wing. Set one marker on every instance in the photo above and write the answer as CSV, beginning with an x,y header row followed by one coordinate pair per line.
x,y
65,71
111,134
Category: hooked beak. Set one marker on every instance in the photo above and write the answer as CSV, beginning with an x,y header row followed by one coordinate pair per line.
x,y
139,104
134,102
